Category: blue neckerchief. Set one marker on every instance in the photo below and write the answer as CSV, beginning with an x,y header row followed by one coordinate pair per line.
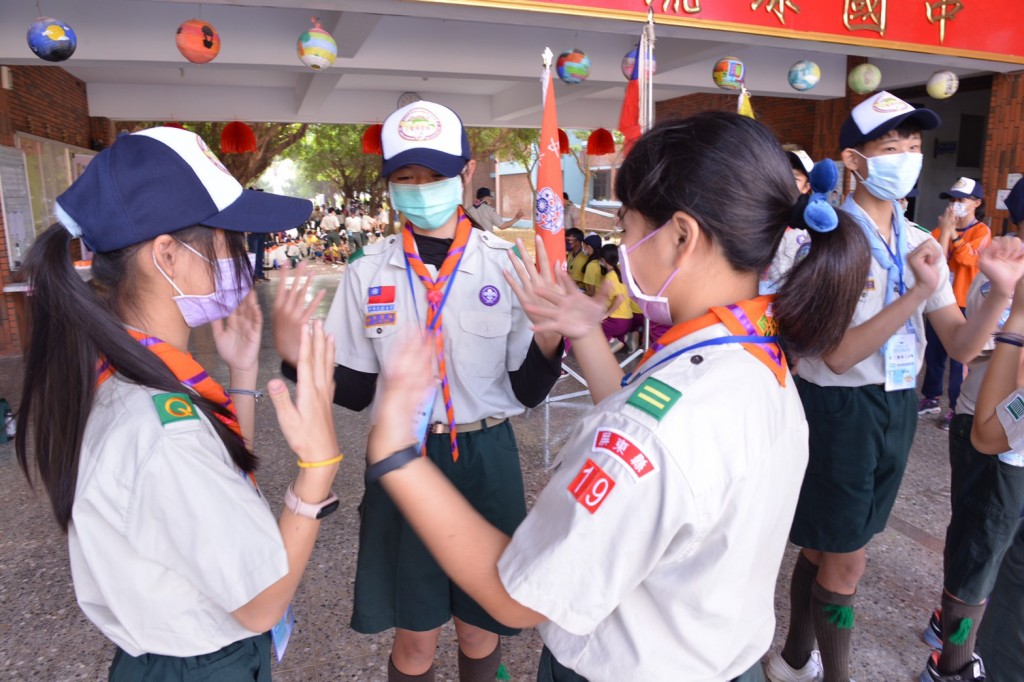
x,y
894,263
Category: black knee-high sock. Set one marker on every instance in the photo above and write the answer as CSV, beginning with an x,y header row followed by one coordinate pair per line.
x,y
480,669
396,675
959,633
833,624
800,638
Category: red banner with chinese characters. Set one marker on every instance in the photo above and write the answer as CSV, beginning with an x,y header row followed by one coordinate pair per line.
x,y
979,29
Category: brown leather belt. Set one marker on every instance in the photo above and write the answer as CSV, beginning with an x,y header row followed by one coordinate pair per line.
x,y
489,422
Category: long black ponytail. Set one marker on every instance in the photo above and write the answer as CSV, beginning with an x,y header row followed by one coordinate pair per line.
x,y
74,325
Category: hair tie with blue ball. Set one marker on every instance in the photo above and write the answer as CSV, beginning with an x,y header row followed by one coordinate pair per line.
x,y
818,214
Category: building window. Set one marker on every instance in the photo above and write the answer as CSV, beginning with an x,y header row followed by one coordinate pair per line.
x,y
601,184
52,167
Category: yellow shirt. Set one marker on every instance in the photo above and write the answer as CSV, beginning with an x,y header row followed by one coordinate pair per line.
x,y
592,274
624,310
575,265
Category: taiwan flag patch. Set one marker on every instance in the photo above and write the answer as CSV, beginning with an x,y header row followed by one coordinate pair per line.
x,y
381,295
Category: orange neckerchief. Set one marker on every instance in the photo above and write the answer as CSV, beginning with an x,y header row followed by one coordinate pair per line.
x,y
186,369
737,319
436,296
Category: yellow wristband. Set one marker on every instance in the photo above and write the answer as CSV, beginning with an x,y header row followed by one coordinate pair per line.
x,y
325,463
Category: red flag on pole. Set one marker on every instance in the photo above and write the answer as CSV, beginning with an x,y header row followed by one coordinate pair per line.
x,y
549,215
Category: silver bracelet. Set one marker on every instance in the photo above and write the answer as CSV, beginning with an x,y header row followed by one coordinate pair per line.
x,y
256,394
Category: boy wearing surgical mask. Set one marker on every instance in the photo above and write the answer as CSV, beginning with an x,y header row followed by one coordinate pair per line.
x,y
860,399
444,278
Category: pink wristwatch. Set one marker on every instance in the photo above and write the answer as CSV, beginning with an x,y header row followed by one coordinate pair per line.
x,y
310,511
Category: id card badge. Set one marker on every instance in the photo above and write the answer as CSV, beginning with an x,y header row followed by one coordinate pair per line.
x,y
424,412
901,361
282,632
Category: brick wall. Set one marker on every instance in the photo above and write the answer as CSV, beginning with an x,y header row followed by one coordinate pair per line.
x,y
1004,143
48,102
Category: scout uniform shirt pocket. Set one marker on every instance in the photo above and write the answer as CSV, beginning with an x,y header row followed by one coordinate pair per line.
x,y
480,344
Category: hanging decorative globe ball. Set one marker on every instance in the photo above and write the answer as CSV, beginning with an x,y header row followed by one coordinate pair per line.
x,y
864,78
197,41
51,39
804,75
573,67
629,64
728,73
943,84
317,48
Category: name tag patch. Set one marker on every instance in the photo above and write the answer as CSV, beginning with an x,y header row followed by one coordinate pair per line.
x,y
624,450
379,320
591,486
1016,408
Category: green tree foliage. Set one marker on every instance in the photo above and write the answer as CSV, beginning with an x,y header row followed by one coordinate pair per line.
x,y
333,154
272,140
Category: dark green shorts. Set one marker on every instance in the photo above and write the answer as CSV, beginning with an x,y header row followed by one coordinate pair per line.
x,y
398,583
860,439
247,660
550,670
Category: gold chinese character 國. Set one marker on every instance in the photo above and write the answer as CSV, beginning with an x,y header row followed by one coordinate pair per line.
x,y
947,10
865,15
688,6
778,7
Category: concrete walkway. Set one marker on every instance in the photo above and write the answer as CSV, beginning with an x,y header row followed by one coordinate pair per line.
x,y
44,637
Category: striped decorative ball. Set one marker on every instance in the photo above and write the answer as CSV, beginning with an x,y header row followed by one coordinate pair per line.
x,y
317,48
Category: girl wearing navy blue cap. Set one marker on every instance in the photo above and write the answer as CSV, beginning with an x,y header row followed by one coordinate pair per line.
x,y
146,458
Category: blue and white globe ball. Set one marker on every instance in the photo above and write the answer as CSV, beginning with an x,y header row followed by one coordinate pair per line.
x,y
804,75
51,39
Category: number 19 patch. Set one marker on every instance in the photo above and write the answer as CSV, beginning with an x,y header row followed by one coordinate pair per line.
x,y
591,486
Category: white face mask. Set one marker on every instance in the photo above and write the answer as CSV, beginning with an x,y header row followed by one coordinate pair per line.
x,y
655,308
960,209
891,176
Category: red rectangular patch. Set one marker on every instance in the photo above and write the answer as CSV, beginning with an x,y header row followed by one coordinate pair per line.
x,y
622,448
381,295
591,486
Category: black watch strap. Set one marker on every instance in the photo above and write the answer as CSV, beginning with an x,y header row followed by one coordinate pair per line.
x,y
374,472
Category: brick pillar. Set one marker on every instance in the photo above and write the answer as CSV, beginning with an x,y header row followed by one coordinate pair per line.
x,y
1004,143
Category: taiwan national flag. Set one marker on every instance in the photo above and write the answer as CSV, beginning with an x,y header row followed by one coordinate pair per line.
x,y
381,295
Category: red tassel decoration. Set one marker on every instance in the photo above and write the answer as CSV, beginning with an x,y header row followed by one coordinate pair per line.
x,y
600,142
372,140
174,124
237,138
563,142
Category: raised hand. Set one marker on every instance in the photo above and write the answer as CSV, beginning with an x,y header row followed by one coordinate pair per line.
x,y
407,379
553,303
924,262
237,337
292,313
1002,261
308,423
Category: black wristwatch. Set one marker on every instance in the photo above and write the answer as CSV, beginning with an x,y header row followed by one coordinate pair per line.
x,y
374,472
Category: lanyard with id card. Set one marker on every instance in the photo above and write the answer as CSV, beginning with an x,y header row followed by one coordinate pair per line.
x,y
901,359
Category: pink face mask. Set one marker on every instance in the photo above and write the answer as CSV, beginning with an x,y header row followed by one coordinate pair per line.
x,y
655,308
227,295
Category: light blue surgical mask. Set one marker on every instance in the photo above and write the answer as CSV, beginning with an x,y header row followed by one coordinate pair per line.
x,y
428,206
892,176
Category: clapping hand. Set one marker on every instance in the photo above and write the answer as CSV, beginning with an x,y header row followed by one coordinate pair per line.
x,y
1002,261
292,313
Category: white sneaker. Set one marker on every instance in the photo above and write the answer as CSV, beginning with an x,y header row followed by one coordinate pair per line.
x,y
777,670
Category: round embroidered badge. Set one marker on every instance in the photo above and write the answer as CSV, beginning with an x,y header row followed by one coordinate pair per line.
x,y
489,295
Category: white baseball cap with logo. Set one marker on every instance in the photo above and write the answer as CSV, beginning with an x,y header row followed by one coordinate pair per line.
x,y
963,188
425,134
879,114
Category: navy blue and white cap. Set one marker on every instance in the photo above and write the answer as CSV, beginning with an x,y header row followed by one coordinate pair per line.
x,y
963,188
879,114
162,180
425,134
1015,202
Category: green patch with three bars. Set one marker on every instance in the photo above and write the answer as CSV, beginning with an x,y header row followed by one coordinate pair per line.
x,y
1016,408
654,397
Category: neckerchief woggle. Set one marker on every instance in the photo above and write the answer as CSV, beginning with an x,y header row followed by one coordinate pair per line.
x,y
736,318
437,295
894,263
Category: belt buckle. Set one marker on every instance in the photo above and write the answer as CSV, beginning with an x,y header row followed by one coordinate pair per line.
x,y
437,427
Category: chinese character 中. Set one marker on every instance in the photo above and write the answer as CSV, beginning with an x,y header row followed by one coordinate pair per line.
x,y
778,7
946,10
865,15
639,463
688,6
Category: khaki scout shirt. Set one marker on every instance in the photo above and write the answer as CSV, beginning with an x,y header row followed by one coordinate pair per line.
x,y
655,547
167,535
486,332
